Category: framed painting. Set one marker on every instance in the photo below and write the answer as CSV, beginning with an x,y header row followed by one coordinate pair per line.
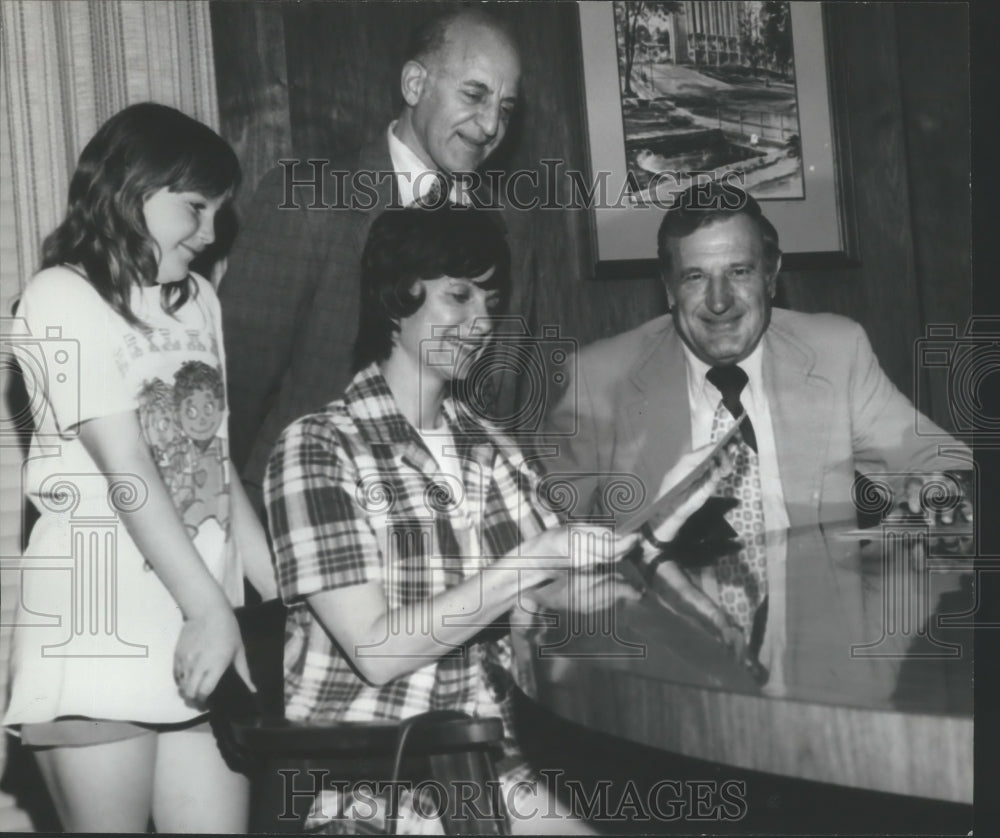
x,y
743,90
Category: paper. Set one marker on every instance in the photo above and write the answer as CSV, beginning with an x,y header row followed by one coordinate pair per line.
x,y
893,527
672,499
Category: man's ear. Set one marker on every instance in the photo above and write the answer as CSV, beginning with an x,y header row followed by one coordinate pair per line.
x,y
665,279
412,81
664,273
773,282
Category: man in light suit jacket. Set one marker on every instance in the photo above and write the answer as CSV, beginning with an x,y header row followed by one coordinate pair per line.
x,y
290,298
820,404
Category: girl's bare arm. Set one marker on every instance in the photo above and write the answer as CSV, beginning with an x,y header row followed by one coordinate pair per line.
x,y
210,638
251,539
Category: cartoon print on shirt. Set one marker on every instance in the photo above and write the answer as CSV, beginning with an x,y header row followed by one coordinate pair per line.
x,y
200,399
200,403
165,438
180,424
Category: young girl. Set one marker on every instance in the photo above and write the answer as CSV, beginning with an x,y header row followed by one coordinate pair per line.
x,y
117,645
403,523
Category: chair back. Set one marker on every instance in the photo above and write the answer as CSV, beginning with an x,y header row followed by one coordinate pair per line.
x,y
263,629
448,746
233,702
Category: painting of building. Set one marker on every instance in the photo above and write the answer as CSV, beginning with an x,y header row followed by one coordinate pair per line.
x,y
709,87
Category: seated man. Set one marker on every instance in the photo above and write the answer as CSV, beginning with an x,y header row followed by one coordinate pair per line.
x,y
817,404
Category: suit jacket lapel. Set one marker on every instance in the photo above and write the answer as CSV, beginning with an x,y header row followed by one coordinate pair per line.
x,y
374,160
801,406
654,417
654,422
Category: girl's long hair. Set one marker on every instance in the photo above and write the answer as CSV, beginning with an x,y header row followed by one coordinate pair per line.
x,y
141,149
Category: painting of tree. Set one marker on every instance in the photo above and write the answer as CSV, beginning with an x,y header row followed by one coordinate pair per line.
x,y
776,34
641,23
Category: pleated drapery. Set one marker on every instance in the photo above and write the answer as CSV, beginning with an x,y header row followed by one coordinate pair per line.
x,y
68,66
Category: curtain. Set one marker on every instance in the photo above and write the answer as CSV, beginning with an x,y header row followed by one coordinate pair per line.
x,y
66,67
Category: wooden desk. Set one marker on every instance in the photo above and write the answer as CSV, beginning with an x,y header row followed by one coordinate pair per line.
x,y
867,689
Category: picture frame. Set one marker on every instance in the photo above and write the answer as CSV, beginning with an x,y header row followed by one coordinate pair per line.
x,y
816,231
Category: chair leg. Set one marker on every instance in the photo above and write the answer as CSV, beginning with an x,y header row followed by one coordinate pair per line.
x,y
283,793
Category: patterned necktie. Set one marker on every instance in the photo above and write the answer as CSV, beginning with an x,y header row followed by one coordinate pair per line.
x,y
432,197
742,577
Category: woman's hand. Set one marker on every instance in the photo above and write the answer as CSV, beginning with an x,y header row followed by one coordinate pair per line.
x,y
208,643
586,593
578,547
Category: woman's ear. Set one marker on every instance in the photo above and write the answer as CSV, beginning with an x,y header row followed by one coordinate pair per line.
x,y
416,291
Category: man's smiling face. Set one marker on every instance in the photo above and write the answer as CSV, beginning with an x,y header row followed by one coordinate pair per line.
x,y
720,287
465,98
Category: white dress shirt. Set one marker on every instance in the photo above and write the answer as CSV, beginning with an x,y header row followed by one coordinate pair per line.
x,y
703,400
414,178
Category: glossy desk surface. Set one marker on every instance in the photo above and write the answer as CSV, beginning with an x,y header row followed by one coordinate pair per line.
x,y
870,680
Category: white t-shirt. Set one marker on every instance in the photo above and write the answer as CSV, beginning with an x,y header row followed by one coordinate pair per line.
x,y
465,521
467,525
95,630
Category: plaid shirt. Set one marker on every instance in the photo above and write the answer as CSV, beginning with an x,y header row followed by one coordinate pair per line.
x,y
354,496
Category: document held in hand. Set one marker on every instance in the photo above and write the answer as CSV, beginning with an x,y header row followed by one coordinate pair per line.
x,y
670,500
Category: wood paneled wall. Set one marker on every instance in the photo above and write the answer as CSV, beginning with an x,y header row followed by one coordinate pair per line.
x,y
315,79
907,111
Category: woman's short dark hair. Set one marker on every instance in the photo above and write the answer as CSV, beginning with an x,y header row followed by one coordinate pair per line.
x,y
139,150
406,245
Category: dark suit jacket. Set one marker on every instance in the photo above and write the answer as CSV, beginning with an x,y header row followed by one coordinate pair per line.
x,y
291,297
833,411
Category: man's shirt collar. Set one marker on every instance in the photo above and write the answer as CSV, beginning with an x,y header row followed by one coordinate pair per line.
x,y
700,388
414,178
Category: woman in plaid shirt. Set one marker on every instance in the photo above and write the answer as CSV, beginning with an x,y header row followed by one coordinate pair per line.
x,y
402,522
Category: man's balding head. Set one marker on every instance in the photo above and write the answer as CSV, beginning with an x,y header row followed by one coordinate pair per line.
x,y
427,41
460,86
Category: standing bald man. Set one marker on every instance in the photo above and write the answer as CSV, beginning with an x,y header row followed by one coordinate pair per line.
x,y
290,297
